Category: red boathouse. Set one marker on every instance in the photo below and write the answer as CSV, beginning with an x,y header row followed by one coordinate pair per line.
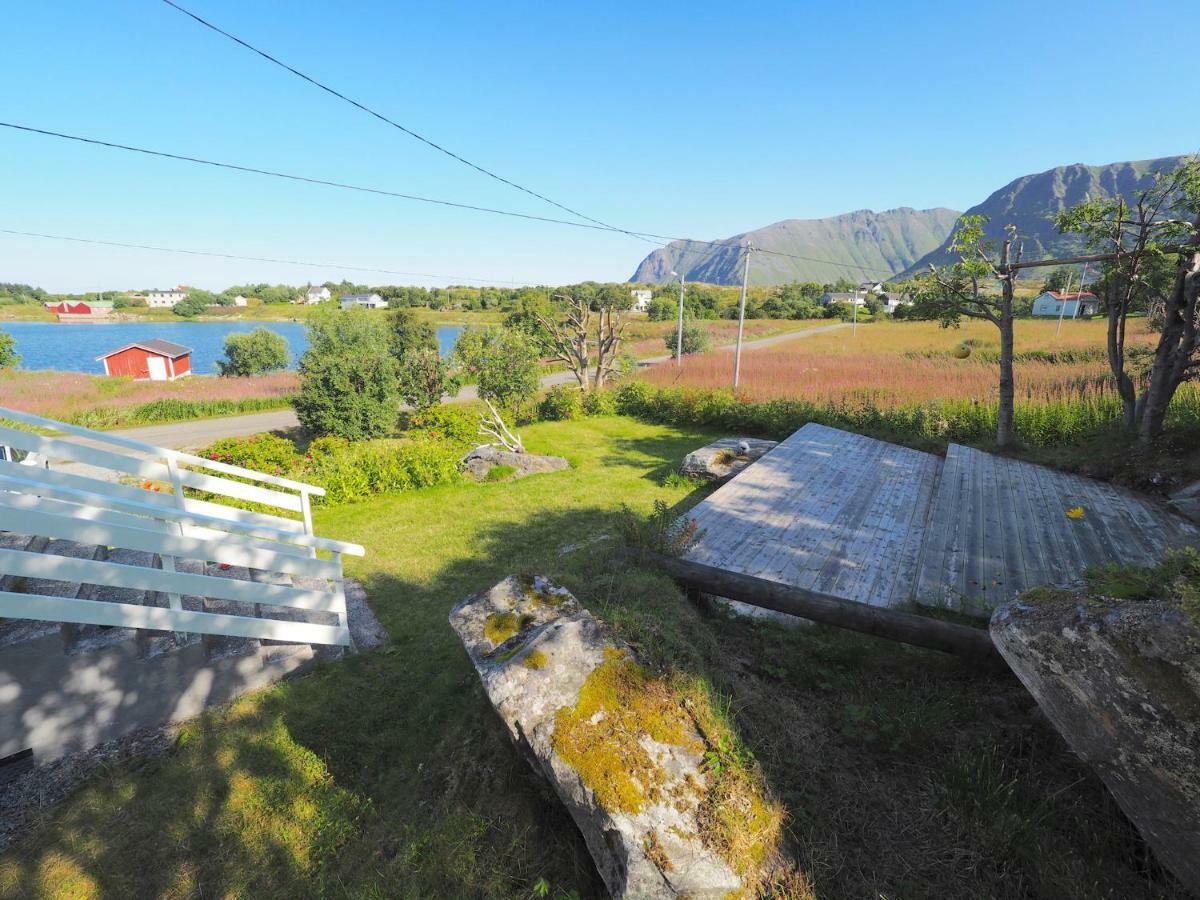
x,y
151,360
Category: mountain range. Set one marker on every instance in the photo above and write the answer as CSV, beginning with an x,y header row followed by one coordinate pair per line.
x,y
899,243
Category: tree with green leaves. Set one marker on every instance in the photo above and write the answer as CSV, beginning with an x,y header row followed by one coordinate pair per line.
x,y
424,378
8,351
1154,240
410,334
194,304
1058,279
696,339
949,293
254,353
505,366
348,381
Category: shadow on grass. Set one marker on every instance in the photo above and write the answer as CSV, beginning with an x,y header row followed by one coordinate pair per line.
x,y
389,774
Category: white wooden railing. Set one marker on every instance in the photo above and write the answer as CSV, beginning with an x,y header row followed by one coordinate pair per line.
x,y
78,506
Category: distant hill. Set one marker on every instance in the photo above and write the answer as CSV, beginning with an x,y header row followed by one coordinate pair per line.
x,y
1032,201
882,244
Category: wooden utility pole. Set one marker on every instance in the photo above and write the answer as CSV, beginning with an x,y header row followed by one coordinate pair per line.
x,y
737,354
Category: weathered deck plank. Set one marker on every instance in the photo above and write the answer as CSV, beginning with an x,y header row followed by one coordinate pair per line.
x,y
873,522
1005,526
826,510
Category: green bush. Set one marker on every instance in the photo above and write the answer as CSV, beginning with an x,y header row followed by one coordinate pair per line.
x,y
561,402
254,353
266,453
457,424
696,339
8,353
348,471
363,470
599,403
348,382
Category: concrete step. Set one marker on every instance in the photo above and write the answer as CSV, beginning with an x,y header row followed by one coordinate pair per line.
x,y
217,646
82,638
14,631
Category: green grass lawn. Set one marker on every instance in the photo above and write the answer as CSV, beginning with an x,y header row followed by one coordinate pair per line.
x,y
906,774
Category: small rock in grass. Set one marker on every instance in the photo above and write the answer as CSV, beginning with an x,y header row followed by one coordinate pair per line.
x,y
722,459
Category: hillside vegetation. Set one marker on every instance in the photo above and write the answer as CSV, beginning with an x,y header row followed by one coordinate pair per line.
x,y
880,243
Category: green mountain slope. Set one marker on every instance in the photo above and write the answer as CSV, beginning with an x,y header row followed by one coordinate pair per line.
x,y
857,245
1032,201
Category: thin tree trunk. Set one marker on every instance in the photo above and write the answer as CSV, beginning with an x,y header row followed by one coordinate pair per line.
x,y
1116,356
1175,355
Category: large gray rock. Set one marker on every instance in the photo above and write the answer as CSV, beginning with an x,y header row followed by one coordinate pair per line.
x,y
1120,680
1186,501
480,461
536,649
722,459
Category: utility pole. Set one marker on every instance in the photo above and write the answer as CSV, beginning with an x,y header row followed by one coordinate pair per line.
x,y
854,327
679,330
737,356
1062,308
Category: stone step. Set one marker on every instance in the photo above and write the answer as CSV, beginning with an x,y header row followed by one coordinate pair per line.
x,y
278,650
82,638
218,646
15,631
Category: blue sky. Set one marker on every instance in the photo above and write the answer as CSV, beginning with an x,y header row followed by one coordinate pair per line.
x,y
697,119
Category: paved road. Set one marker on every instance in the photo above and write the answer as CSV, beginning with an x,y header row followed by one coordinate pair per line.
x,y
200,432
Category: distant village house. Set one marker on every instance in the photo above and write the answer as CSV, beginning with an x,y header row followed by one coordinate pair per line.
x,y
890,299
239,300
150,360
165,299
641,299
1068,305
67,311
367,301
315,294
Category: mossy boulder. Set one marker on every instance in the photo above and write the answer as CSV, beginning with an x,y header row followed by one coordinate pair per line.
x,y
1120,680
722,459
481,462
667,801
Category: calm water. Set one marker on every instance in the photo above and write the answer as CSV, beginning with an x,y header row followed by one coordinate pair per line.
x,y
74,348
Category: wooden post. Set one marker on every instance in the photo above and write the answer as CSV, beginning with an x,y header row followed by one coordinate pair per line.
x,y
972,644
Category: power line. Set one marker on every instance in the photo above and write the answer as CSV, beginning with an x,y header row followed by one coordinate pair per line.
x,y
304,178
399,195
266,259
381,117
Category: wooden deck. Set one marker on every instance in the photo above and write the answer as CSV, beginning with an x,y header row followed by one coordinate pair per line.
x,y
881,524
825,510
999,526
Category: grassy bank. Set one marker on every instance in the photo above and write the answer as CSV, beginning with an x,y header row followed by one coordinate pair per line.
x,y
905,773
102,402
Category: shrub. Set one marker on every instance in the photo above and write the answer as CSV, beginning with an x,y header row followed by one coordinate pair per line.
x,y
348,384
561,402
362,470
254,353
456,424
267,453
423,378
190,306
696,339
8,352
598,403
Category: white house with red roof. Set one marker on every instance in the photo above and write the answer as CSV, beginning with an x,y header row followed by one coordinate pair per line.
x,y
1068,304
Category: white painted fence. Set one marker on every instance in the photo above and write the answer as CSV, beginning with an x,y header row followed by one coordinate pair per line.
x,y
92,507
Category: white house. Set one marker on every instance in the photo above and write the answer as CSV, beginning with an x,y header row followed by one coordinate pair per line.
x,y
165,299
367,301
239,300
843,297
641,299
1068,305
316,294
